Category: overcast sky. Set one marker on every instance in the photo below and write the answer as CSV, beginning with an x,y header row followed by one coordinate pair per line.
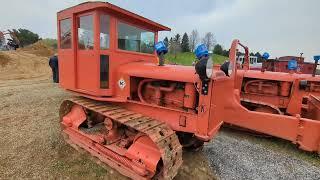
x,y
280,27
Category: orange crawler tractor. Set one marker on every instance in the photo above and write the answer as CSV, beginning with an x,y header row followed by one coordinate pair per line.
x,y
287,94
132,111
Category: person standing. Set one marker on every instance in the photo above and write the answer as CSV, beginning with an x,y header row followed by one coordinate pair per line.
x,y
53,63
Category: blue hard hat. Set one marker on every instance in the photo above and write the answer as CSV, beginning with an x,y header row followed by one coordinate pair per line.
x,y
265,55
316,58
201,50
292,64
160,47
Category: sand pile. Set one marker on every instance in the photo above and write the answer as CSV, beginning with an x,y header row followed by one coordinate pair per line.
x,y
39,48
23,65
4,59
28,62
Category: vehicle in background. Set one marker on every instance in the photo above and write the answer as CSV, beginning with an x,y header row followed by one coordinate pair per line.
x,y
11,43
253,60
281,65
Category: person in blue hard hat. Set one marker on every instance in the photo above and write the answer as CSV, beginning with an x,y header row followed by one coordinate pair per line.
x,y
53,63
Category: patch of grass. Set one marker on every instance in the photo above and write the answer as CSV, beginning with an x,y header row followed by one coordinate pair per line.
x,y
50,42
187,58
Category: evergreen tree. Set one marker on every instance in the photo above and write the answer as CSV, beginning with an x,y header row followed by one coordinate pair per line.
x,y
177,39
171,45
218,49
258,56
176,45
26,37
166,41
226,53
185,43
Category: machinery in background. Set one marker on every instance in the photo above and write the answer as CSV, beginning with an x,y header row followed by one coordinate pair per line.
x,y
136,113
281,65
11,43
253,60
289,94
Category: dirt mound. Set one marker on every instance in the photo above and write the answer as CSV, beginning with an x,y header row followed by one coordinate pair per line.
x,y
23,65
4,59
39,48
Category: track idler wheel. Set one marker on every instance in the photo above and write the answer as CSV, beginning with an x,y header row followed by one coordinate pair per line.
x,y
114,133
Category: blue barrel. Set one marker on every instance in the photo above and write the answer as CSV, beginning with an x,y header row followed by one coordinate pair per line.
x,y
265,55
292,64
160,47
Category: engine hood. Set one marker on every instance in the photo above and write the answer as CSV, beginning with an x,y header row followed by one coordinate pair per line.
x,y
154,71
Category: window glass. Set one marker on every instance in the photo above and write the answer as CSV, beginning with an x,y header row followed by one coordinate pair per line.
x,y
65,34
85,32
104,71
131,38
104,32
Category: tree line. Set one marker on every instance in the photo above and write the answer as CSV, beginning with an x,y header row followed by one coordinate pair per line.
x,y
25,36
188,43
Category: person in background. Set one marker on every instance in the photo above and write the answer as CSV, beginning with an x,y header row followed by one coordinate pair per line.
x,y
53,63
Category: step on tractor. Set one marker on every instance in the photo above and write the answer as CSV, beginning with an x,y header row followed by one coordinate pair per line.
x,y
132,111
288,94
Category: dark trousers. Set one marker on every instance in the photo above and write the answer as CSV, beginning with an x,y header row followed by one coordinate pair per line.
x,y
55,75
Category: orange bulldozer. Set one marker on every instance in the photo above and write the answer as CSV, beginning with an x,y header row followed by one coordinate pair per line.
x,y
131,110
290,94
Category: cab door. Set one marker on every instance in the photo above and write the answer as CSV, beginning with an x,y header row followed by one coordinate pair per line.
x,y
87,60
66,51
105,37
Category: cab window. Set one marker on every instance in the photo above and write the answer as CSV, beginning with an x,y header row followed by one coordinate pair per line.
x,y
85,32
104,32
131,38
65,34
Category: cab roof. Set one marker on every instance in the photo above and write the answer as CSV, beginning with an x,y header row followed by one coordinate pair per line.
x,y
119,12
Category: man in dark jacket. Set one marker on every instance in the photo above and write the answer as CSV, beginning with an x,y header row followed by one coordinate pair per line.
x,y
53,63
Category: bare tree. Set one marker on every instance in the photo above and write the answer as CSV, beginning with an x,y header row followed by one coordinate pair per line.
x,y
209,40
176,45
194,39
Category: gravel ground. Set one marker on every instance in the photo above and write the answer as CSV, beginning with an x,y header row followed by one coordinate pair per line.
x,y
234,156
31,145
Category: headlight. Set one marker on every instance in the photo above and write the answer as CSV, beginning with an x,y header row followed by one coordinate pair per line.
x,y
205,65
209,68
230,69
204,68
